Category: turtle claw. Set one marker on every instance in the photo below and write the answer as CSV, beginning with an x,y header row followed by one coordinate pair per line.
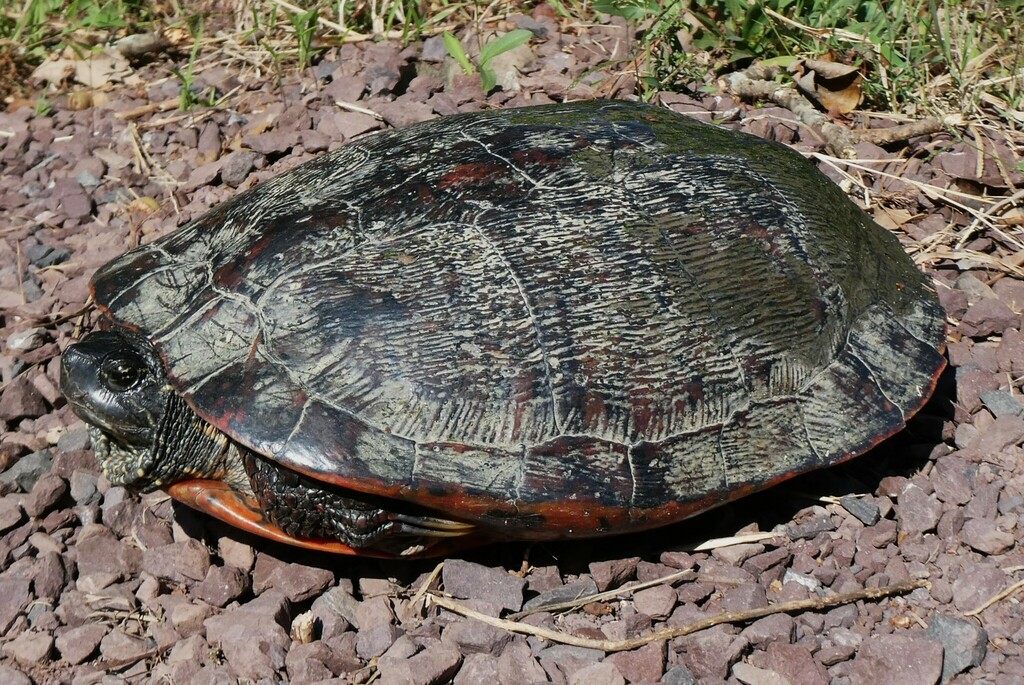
x,y
432,527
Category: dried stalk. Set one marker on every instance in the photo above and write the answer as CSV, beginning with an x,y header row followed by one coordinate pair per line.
x,y
814,604
838,139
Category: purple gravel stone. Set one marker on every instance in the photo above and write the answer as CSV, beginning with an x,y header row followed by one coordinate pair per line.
x,y
897,660
964,643
78,644
464,579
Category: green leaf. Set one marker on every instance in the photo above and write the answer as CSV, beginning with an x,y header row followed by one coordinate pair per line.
x,y
441,15
783,61
488,78
509,41
455,49
560,8
634,10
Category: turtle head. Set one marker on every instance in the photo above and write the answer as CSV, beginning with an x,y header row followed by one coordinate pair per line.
x,y
115,382
115,386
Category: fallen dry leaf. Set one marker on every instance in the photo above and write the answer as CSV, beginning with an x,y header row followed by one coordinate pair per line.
x,y
835,87
97,70
53,71
891,218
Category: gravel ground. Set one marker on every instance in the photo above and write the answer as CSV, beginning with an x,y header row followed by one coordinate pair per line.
x,y
100,586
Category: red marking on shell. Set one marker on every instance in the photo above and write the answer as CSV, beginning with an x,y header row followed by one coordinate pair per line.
x,y
424,193
593,409
695,391
228,276
695,227
211,313
471,173
251,359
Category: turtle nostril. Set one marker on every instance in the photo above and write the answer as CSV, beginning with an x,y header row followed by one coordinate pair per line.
x,y
75,372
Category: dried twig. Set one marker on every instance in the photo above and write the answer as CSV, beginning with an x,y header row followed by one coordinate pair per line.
x,y
118,664
838,139
756,83
715,543
814,604
136,112
894,134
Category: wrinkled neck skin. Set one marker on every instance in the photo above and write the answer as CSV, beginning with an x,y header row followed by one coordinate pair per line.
x,y
183,447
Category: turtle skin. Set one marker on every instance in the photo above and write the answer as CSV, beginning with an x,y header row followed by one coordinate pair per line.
x,y
549,322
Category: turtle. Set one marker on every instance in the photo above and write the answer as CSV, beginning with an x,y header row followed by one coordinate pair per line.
x,y
539,323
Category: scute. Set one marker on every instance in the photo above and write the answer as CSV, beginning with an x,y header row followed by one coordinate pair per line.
x,y
590,315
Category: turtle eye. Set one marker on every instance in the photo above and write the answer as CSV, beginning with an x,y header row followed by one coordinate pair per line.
x,y
120,374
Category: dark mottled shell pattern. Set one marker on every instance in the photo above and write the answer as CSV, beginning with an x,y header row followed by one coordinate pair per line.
x,y
556,321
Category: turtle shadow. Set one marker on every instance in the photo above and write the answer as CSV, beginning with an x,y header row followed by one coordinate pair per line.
x,y
903,454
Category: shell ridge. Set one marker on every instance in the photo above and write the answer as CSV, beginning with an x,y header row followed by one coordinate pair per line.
x,y
807,432
721,450
634,482
165,332
548,369
824,369
295,429
144,276
730,341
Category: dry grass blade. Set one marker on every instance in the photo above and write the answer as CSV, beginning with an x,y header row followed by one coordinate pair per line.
x,y
327,23
818,32
935,192
943,253
426,583
717,543
601,596
988,217
707,545
999,597
815,604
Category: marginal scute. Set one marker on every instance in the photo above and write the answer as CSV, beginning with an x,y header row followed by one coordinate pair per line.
x,y
682,470
902,363
771,431
843,409
584,315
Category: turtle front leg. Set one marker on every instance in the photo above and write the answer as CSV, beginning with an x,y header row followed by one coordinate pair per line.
x,y
309,509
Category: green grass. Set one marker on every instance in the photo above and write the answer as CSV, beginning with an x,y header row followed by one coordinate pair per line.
x,y
490,50
40,26
915,55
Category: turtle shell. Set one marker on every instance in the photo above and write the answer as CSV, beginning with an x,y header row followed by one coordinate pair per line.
x,y
554,321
